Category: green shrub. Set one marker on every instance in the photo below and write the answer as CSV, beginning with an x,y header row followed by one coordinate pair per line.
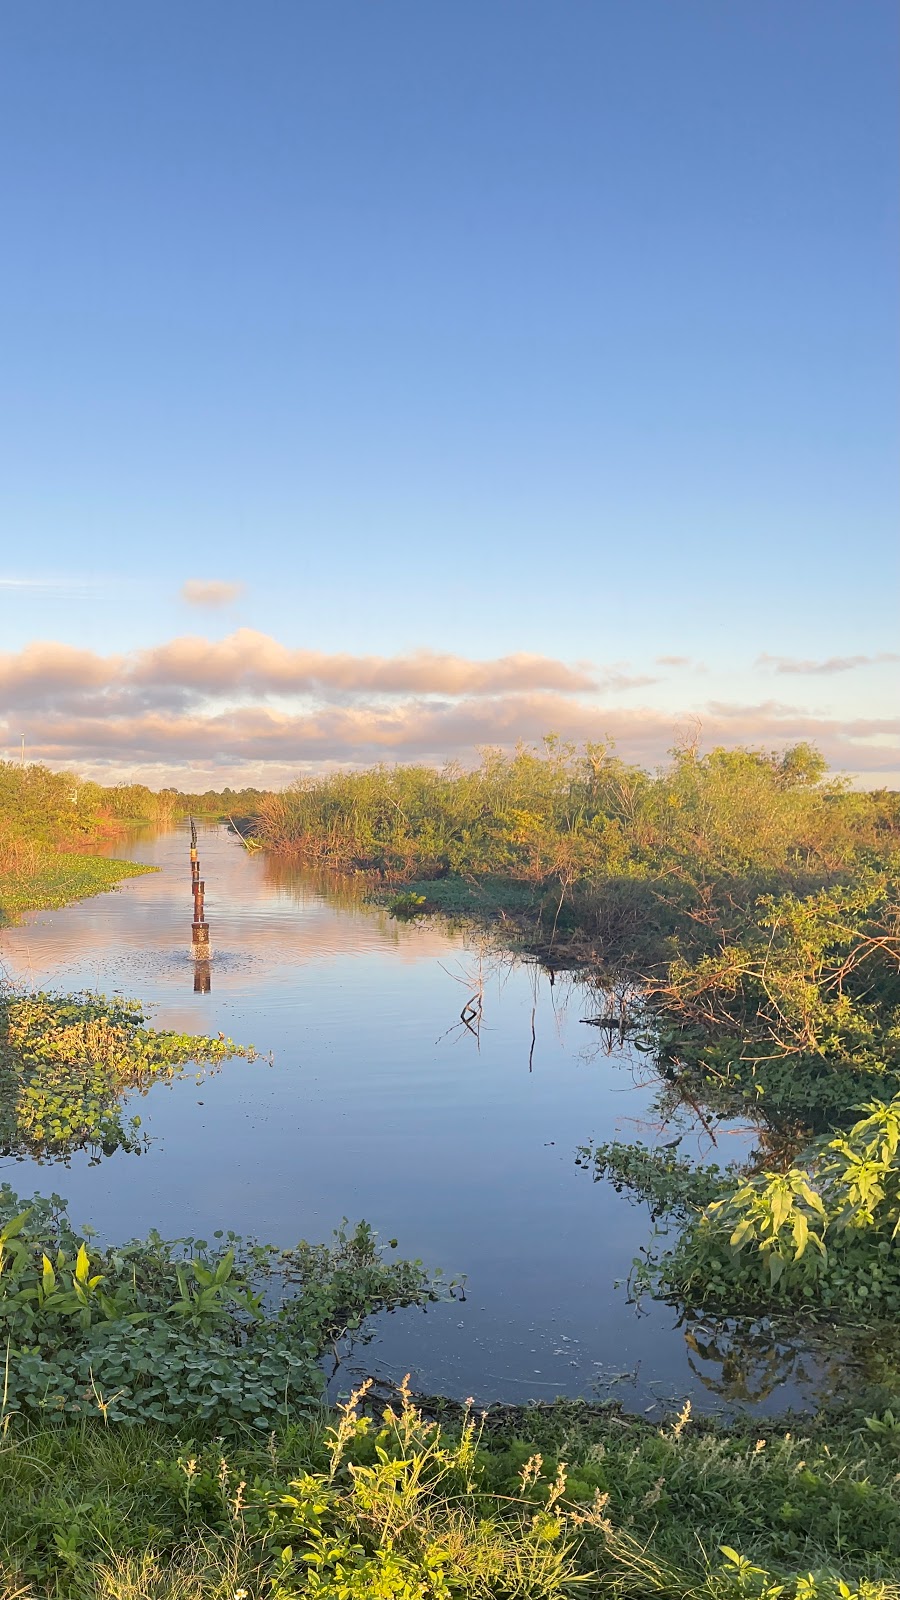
x,y
825,1232
178,1330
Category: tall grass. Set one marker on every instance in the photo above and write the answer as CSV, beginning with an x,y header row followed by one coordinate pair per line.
x,y
530,1506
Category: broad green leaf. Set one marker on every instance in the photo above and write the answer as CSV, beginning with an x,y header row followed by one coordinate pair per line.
x,y
744,1230
781,1205
801,1234
811,1198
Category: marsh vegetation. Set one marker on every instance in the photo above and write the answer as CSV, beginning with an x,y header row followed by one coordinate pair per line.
x,y
751,904
383,1501
67,1061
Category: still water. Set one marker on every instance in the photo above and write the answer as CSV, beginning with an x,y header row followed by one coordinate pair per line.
x,y
375,1101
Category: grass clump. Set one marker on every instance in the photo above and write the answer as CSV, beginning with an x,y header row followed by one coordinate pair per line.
x,y
464,899
36,880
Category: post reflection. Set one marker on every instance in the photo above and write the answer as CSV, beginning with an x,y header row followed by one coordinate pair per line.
x,y
202,977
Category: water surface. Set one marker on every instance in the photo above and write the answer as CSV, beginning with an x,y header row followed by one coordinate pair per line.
x,y
378,1103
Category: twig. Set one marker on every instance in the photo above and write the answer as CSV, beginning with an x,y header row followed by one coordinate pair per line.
x,y
238,832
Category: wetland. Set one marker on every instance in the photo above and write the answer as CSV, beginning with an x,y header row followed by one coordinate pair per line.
x,y
370,1097
601,1067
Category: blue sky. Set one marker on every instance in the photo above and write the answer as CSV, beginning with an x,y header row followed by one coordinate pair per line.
x,y
484,329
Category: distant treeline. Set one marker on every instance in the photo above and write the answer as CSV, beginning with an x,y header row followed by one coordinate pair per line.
x,y
40,808
226,802
134,802
53,823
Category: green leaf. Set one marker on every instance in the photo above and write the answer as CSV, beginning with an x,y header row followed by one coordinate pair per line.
x,y
811,1197
15,1225
82,1265
801,1234
744,1230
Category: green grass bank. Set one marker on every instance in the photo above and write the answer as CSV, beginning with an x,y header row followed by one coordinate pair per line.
x,y
51,823
526,1505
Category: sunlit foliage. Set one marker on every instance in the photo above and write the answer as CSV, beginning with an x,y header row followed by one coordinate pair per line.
x,y
523,1504
756,900
824,1232
574,816
49,824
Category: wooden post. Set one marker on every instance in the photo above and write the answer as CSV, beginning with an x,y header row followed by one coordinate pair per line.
x,y
199,926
